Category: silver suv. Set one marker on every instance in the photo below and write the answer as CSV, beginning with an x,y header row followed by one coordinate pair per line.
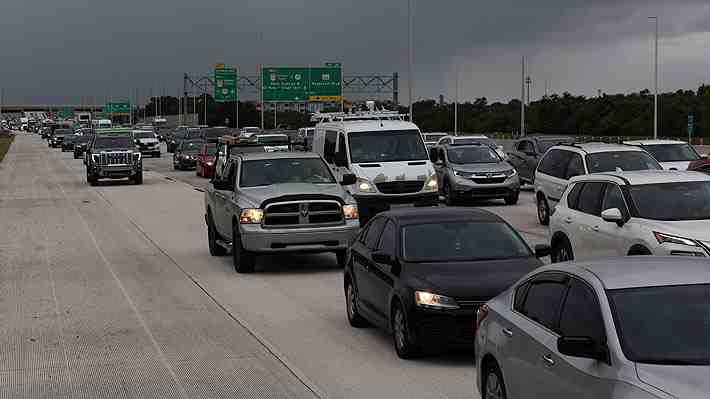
x,y
563,162
275,203
633,213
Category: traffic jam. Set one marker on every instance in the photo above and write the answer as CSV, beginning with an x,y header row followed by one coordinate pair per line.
x,y
616,303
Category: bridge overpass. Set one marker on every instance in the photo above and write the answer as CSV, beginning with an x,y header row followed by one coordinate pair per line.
x,y
10,108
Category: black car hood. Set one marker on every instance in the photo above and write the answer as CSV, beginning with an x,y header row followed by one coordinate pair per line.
x,y
480,280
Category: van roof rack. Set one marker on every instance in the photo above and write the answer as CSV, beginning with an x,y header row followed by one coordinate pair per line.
x,y
376,115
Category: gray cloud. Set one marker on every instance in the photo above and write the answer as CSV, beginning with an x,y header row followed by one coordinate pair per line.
x,y
56,51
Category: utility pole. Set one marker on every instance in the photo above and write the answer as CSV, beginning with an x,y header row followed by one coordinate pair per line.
x,y
411,61
206,124
528,82
261,96
456,103
522,102
655,79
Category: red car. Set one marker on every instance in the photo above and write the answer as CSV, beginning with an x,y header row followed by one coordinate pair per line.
x,y
205,160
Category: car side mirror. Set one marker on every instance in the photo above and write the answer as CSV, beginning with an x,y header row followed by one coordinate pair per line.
x,y
583,347
221,185
433,155
383,258
348,180
542,250
613,215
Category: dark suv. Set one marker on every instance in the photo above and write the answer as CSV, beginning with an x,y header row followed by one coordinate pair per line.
x,y
528,151
113,156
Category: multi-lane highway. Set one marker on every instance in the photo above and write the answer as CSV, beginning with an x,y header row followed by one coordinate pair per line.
x,y
110,291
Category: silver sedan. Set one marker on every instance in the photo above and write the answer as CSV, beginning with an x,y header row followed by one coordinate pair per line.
x,y
635,327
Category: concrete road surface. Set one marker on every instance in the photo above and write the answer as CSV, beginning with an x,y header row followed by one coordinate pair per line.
x,y
111,291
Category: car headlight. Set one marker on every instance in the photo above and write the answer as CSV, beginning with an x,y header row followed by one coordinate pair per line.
x,y
251,216
136,156
431,184
669,239
364,186
210,163
430,300
510,172
350,212
461,173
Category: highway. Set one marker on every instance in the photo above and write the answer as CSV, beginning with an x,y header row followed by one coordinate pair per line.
x,y
110,291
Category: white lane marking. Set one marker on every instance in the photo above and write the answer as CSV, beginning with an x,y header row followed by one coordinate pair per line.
x,y
139,316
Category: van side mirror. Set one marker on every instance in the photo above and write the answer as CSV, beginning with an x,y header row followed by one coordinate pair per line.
x,y
383,258
583,347
348,180
613,215
222,185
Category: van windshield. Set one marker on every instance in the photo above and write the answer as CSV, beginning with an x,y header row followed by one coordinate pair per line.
x,y
387,146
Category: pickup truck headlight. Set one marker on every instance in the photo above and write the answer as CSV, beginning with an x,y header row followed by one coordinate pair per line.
x,y
429,300
432,184
350,212
251,216
364,186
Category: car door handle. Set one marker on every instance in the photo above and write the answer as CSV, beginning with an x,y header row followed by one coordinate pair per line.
x,y
595,228
508,332
549,360
568,220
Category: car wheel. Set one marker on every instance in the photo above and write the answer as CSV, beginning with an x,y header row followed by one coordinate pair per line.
x,y
243,260
354,317
449,195
215,249
400,334
639,251
512,198
342,258
543,210
493,385
561,251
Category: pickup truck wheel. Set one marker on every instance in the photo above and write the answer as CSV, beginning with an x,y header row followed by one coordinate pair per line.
x,y
243,259
138,179
212,235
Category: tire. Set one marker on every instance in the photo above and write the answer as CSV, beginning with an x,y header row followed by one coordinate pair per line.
x,y
512,198
342,257
138,179
403,345
243,260
449,195
492,384
354,317
157,155
639,251
212,235
543,210
561,251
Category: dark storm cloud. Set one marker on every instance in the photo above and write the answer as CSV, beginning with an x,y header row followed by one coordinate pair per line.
x,y
62,50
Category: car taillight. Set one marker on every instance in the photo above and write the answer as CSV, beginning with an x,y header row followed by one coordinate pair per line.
x,y
481,315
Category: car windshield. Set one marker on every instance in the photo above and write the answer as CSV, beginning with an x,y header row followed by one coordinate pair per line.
x,y
469,155
672,201
144,135
190,146
387,146
277,171
664,325
619,161
461,241
113,142
475,140
672,152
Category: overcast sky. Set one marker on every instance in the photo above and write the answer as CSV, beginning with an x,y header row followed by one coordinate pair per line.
x,y
63,50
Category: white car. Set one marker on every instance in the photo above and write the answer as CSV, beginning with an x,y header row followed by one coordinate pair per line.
x,y
632,213
563,162
432,138
474,139
672,154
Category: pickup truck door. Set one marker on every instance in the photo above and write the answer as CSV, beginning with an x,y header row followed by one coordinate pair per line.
x,y
223,220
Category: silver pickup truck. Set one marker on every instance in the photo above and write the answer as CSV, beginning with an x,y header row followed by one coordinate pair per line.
x,y
275,203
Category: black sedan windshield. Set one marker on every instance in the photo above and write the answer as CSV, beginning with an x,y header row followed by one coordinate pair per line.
x,y
469,155
276,171
461,241
619,161
672,152
387,146
664,325
113,142
673,201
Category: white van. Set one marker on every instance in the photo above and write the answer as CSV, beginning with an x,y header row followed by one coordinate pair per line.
x,y
386,154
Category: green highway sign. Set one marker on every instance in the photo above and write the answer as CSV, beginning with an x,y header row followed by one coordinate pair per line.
x,y
225,84
117,108
66,113
318,84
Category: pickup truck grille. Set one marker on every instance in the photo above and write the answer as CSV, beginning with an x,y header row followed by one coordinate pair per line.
x,y
303,214
115,158
400,187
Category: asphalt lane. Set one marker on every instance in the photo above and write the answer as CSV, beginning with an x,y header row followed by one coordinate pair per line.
x,y
154,240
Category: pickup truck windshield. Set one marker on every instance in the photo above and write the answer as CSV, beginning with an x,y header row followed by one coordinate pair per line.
x,y
278,171
387,146
113,142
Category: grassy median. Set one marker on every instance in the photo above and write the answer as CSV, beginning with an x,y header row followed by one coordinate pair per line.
x,y
5,146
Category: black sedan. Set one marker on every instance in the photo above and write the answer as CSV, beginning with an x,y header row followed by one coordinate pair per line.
x,y
80,145
185,156
422,273
68,142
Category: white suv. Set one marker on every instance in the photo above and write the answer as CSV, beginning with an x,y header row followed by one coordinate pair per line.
x,y
672,154
632,213
563,162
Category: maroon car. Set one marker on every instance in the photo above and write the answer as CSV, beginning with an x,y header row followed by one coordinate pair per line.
x,y
205,160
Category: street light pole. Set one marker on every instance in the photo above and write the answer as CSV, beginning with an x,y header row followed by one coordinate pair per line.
x,y
655,79
456,103
522,102
411,61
